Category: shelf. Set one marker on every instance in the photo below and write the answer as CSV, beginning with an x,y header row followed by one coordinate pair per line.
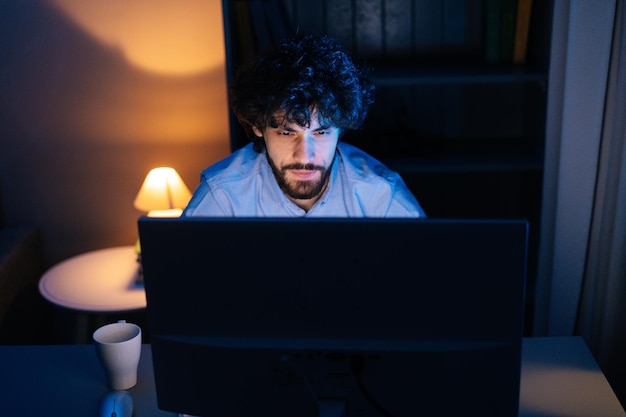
x,y
419,75
464,163
412,153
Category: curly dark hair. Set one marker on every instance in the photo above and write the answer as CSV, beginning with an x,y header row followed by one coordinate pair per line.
x,y
305,73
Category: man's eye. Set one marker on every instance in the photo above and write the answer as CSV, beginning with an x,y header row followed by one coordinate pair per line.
x,y
323,132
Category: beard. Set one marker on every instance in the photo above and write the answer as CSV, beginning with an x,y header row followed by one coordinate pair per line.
x,y
300,190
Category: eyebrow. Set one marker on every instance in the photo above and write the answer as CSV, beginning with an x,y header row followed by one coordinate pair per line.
x,y
287,127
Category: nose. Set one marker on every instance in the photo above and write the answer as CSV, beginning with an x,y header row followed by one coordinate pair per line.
x,y
305,148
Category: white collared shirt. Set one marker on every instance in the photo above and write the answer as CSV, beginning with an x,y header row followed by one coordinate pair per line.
x,y
243,185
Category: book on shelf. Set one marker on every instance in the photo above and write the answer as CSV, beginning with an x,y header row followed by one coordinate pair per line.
x,y
508,16
506,30
493,29
524,8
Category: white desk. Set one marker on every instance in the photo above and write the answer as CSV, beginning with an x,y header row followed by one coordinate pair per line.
x,y
560,378
102,281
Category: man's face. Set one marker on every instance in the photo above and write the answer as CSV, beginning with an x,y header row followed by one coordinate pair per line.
x,y
301,158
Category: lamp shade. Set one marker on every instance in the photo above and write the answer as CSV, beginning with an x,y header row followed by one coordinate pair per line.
x,y
162,190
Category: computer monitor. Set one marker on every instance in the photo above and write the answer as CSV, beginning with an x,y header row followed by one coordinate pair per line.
x,y
335,317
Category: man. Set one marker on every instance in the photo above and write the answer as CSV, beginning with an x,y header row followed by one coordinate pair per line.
x,y
295,103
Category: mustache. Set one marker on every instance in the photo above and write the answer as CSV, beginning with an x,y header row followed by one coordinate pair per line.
x,y
309,167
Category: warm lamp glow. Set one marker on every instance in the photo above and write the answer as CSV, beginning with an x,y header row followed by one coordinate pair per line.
x,y
165,36
163,193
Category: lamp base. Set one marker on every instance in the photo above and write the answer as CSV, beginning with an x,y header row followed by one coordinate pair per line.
x,y
175,212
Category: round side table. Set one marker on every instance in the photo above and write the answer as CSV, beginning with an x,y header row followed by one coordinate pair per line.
x,y
102,282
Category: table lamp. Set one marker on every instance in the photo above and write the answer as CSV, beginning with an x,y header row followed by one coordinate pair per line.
x,y
163,193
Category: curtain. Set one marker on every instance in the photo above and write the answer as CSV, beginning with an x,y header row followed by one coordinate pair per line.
x,y
582,35
602,312
581,275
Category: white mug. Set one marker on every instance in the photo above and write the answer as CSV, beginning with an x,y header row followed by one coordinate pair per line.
x,y
118,347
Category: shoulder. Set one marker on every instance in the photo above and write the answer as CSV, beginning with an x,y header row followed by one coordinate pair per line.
x,y
373,182
361,165
220,190
242,163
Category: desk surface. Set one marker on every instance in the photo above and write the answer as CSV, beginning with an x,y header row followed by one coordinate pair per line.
x,y
560,378
99,281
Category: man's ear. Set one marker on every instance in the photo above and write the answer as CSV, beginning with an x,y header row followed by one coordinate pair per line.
x,y
257,131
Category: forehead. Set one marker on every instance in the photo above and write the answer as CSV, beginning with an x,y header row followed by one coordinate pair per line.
x,y
281,119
